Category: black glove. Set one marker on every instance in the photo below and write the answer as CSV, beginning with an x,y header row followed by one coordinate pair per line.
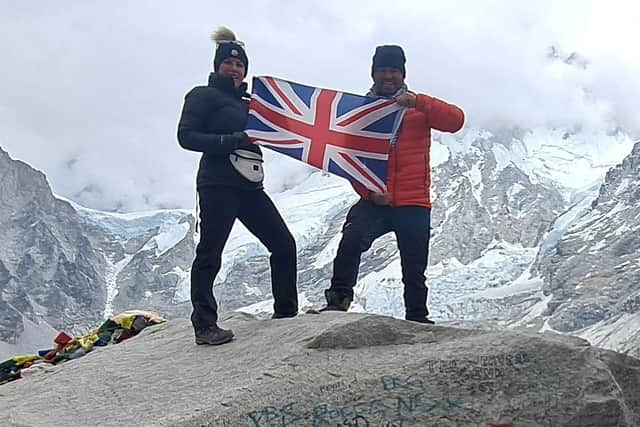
x,y
240,140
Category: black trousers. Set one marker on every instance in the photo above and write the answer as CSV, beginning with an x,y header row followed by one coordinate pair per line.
x,y
219,208
366,222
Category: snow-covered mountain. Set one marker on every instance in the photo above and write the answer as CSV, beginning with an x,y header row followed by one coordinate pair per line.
x,y
582,278
148,256
49,270
592,272
504,202
63,267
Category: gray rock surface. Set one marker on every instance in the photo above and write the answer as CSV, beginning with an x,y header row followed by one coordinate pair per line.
x,y
477,200
59,268
592,270
48,268
334,369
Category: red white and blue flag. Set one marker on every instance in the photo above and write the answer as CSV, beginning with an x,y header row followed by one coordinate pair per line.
x,y
344,134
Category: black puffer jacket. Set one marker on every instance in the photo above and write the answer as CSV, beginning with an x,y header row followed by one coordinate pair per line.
x,y
209,113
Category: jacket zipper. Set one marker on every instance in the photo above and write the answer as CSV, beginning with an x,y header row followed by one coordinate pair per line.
x,y
395,175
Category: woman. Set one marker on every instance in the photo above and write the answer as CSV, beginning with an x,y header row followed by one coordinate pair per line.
x,y
229,186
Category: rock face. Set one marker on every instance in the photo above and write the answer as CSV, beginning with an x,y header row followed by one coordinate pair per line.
x,y
48,268
592,270
335,369
480,198
69,267
147,255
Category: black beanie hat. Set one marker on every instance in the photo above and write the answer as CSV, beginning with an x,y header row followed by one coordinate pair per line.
x,y
389,56
228,47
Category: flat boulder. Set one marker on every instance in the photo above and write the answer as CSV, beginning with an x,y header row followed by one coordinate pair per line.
x,y
334,369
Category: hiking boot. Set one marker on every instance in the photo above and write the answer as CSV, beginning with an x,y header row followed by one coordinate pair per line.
x,y
336,302
213,336
425,320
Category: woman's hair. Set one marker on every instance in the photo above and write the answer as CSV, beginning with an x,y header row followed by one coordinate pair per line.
x,y
223,34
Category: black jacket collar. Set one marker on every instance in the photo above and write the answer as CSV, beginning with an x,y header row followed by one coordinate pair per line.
x,y
225,84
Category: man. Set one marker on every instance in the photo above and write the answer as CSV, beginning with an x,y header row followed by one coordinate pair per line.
x,y
405,208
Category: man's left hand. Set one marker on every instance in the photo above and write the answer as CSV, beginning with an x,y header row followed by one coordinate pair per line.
x,y
407,100
382,199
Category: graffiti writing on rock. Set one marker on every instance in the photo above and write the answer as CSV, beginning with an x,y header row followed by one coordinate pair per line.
x,y
355,414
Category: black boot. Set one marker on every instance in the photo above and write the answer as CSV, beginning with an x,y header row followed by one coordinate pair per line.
x,y
336,302
425,320
213,336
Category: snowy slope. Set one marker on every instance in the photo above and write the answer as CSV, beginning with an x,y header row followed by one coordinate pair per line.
x,y
573,160
130,225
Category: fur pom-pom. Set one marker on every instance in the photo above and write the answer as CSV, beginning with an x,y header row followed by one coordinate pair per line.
x,y
223,34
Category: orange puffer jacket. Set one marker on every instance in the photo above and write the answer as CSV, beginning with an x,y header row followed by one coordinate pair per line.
x,y
408,169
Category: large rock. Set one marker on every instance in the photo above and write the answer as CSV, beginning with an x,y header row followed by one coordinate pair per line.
x,y
334,369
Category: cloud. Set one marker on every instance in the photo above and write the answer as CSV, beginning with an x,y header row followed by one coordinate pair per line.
x,y
91,93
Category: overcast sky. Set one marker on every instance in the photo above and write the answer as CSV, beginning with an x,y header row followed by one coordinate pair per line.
x,y
90,92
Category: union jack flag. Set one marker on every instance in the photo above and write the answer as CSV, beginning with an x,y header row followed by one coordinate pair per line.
x,y
344,134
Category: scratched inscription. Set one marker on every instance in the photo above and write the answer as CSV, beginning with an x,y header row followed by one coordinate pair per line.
x,y
395,399
408,400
